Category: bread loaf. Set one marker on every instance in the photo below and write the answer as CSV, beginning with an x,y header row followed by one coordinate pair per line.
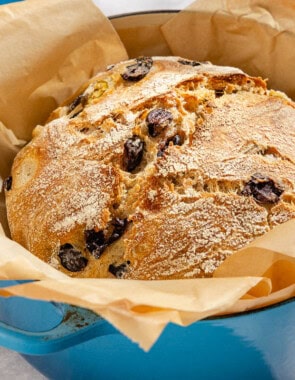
x,y
158,168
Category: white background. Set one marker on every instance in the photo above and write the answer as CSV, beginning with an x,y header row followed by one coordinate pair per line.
x,y
116,7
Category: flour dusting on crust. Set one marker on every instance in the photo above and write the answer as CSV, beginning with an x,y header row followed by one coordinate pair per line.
x,y
160,168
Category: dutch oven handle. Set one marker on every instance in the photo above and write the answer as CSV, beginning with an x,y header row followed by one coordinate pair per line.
x,y
78,325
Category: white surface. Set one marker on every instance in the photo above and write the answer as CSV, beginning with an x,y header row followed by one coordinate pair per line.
x,y
14,367
117,7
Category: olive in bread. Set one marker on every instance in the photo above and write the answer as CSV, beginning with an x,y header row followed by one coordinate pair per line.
x,y
158,168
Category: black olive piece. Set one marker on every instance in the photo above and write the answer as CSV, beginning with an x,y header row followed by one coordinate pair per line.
x,y
133,153
84,130
219,93
75,114
189,63
96,242
138,70
176,140
120,226
7,183
262,189
119,270
157,120
81,99
110,67
71,258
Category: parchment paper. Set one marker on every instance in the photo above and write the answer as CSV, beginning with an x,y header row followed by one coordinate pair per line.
x,y
68,53
48,49
255,35
141,34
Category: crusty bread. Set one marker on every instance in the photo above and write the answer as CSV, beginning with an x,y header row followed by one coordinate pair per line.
x,y
158,168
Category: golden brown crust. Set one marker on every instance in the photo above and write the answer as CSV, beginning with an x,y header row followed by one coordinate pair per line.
x,y
189,198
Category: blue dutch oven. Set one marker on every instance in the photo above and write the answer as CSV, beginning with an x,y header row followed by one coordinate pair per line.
x,y
73,343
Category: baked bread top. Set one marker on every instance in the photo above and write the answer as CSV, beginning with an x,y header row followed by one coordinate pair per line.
x,y
157,168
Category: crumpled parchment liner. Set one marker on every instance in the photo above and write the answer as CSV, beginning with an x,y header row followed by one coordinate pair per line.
x,y
256,36
259,275
48,49
254,277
